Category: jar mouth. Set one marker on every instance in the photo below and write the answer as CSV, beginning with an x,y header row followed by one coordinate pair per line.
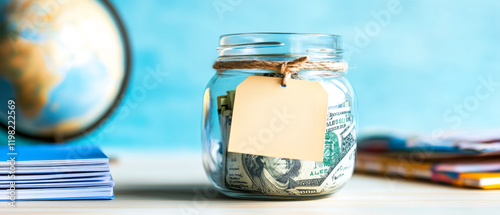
x,y
316,46
280,33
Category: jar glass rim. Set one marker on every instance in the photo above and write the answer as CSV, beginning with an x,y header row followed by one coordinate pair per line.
x,y
281,33
276,43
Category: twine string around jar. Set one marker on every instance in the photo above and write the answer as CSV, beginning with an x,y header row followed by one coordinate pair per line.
x,y
287,68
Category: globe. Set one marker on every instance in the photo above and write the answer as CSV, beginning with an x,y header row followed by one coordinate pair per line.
x,y
64,63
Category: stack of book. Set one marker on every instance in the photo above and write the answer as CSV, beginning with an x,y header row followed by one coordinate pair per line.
x,y
469,160
54,172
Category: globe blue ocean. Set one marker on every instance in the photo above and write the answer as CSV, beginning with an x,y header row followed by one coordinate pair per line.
x,y
76,83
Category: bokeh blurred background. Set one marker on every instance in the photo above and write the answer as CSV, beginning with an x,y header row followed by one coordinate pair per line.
x,y
417,66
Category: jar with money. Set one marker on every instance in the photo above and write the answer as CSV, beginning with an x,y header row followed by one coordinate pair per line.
x,y
289,58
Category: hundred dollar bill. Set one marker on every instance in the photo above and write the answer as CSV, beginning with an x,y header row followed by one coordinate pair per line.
x,y
280,176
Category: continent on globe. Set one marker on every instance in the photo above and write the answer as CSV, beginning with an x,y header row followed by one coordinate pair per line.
x,y
22,64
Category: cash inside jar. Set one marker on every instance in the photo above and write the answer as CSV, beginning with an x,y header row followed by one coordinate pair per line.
x,y
290,177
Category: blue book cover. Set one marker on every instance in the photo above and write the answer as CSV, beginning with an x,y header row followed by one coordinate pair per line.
x,y
53,154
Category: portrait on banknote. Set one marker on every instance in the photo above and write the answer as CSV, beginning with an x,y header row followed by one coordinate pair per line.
x,y
271,175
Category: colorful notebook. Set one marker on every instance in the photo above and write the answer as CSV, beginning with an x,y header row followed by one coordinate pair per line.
x,y
461,160
478,174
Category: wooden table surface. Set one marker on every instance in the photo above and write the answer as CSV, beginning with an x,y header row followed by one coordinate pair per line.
x,y
176,184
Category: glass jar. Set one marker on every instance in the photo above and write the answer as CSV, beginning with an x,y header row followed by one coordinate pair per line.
x,y
259,177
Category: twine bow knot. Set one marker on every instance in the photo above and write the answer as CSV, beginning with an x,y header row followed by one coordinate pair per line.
x,y
290,67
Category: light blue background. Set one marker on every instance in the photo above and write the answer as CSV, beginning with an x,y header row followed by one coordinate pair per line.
x,y
409,72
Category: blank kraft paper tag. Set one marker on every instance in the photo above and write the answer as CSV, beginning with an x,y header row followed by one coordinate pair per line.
x,y
285,122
